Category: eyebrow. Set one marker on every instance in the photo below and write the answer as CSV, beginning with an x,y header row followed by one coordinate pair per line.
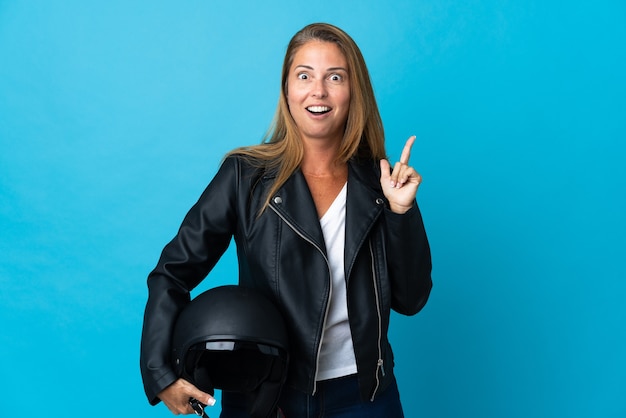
x,y
308,67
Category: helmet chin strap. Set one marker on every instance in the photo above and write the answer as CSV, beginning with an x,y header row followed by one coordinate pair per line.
x,y
198,407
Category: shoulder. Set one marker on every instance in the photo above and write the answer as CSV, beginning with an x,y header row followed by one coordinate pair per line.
x,y
245,170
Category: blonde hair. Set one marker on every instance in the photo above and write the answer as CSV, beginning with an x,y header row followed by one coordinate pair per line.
x,y
282,149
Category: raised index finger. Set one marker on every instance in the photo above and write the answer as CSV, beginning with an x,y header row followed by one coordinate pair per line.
x,y
406,151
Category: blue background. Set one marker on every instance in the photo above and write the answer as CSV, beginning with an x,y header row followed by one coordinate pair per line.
x,y
114,115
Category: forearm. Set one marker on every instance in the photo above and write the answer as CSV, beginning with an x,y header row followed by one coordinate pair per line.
x,y
409,261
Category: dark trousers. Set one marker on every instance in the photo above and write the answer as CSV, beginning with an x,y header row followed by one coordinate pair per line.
x,y
336,398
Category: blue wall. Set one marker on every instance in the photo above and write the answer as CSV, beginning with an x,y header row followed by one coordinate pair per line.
x,y
114,116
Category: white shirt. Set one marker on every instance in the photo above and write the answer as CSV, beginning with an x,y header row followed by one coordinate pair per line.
x,y
337,352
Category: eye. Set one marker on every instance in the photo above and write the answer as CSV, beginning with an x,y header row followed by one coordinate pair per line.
x,y
303,76
336,78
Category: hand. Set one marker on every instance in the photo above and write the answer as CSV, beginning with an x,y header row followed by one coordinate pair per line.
x,y
176,397
400,185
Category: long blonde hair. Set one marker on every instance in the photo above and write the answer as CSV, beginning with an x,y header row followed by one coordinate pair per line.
x,y
282,149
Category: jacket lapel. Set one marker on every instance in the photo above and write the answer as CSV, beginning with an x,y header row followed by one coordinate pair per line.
x,y
365,202
294,203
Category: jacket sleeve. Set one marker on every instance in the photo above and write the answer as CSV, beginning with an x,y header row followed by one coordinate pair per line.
x,y
409,261
203,237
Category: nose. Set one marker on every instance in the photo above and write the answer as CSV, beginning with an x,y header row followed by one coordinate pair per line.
x,y
318,89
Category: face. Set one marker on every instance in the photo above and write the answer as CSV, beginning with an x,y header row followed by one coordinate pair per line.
x,y
318,91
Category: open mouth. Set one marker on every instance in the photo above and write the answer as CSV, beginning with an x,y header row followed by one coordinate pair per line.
x,y
318,110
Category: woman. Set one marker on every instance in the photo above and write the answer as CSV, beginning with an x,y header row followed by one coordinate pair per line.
x,y
323,226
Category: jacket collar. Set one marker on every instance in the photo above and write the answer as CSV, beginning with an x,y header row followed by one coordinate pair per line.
x,y
365,202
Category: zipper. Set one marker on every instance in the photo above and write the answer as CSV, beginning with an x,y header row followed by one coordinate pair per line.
x,y
380,363
330,291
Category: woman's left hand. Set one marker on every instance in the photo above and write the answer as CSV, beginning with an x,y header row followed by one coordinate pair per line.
x,y
400,185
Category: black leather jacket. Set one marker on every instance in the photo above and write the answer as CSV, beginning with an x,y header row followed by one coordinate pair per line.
x,y
282,254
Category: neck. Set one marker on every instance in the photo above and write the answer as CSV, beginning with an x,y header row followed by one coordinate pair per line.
x,y
321,159
322,165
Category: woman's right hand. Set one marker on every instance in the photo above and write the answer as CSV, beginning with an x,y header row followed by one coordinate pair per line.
x,y
176,397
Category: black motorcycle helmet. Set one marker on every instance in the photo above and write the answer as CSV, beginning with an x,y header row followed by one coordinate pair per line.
x,y
234,339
